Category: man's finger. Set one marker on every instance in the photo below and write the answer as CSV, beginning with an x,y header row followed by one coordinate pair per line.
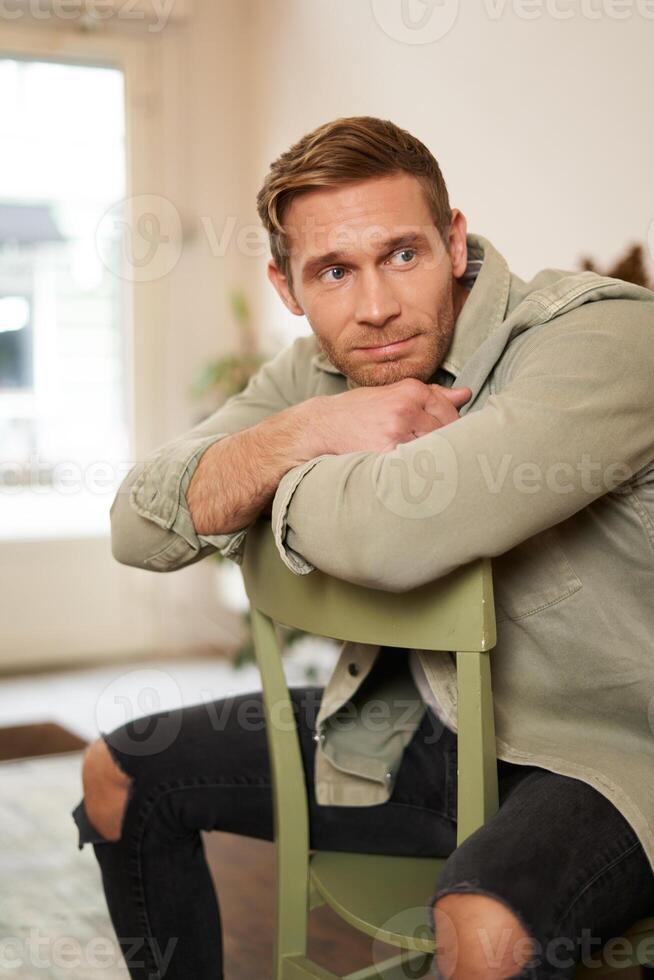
x,y
443,412
459,396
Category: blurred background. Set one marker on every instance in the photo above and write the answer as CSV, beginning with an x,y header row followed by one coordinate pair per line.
x,y
133,297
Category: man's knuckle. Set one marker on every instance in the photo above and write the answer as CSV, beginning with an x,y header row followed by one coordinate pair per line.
x,y
404,408
412,385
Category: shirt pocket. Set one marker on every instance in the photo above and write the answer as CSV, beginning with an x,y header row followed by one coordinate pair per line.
x,y
533,576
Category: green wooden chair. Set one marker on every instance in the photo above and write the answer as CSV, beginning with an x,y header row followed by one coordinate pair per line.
x,y
380,895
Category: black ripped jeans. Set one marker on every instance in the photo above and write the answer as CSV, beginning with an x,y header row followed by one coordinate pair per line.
x,y
558,853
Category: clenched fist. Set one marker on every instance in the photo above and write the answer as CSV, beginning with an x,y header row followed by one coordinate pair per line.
x,y
378,418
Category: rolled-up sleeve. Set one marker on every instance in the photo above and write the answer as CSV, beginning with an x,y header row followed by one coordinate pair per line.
x,y
151,525
573,420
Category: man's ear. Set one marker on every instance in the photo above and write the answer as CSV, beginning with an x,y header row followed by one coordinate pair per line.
x,y
280,282
458,242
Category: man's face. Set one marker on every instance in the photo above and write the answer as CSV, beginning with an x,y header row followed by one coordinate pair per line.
x,y
371,274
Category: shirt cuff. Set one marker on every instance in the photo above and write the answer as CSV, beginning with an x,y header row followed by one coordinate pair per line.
x,y
159,494
230,545
280,515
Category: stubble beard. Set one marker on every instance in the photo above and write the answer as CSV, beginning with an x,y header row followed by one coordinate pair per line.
x,y
374,373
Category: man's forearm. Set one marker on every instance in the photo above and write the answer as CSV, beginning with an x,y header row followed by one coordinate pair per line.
x,y
237,476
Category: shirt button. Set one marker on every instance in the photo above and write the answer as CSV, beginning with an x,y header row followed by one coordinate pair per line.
x,y
389,775
353,669
319,737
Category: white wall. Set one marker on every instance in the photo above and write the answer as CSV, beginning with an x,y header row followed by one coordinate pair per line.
x,y
205,104
543,128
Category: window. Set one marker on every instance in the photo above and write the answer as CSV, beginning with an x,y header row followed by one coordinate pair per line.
x,y
63,418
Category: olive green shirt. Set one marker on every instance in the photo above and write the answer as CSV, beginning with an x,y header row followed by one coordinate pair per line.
x,y
549,470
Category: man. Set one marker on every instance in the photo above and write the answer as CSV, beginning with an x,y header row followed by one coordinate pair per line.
x,y
442,409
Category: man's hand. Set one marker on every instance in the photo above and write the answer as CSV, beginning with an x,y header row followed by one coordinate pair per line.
x,y
378,418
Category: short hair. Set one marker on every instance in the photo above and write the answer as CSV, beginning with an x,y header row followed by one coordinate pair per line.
x,y
339,152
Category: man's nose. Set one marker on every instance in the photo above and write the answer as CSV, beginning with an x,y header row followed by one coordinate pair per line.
x,y
375,301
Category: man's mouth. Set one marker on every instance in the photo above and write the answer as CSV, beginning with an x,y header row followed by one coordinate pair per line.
x,y
392,348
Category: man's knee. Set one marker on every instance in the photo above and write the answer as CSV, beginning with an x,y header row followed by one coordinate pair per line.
x,y
106,788
478,937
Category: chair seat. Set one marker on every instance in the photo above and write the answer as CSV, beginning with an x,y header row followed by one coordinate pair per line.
x,y
384,896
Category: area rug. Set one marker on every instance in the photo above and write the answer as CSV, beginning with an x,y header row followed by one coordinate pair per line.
x,y
53,921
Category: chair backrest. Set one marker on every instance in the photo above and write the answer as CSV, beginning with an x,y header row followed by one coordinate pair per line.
x,y
452,613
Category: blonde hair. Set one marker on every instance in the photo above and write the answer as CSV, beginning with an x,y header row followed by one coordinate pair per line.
x,y
346,149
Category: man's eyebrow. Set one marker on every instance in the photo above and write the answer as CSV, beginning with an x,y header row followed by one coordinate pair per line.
x,y
387,245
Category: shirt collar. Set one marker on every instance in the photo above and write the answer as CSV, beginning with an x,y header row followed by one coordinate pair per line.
x,y
484,309
486,304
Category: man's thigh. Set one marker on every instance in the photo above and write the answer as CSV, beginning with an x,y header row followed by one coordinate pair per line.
x,y
419,819
566,863
208,766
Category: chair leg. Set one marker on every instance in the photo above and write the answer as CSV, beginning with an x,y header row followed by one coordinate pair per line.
x,y
406,965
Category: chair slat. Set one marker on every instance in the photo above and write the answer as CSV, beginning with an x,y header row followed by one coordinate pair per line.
x,y
290,807
477,792
455,612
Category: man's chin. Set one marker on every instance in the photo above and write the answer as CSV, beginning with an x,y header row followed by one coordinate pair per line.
x,y
389,372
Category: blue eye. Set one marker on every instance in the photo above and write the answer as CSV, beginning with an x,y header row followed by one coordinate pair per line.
x,y
404,251
336,268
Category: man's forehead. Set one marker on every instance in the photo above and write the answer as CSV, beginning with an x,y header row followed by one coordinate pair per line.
x,y
346,210
313,237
